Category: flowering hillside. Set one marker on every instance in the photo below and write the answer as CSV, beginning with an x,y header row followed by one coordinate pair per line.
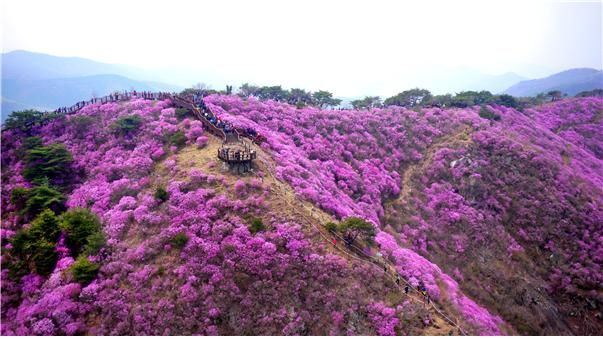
x,y
500,219
487,193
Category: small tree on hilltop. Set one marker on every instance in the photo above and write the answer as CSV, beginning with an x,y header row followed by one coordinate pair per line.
x,y
555,95
247,90
23,120
366,103
353,227
324,99
409,98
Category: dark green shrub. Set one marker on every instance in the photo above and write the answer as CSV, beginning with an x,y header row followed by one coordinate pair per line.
x,y
127,124
182,113
19,196
44,257
94,242
23,120
34,248
161,194
32,142
331,227
256,225
52,163
79,224
177,139
83,270
487,114
179,240
81,124
354,227
45,226
40,198
31,251
507,100
23,244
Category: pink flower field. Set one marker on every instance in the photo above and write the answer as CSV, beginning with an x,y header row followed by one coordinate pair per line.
x,y
461,204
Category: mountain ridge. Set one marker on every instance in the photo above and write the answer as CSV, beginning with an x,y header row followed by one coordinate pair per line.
x,y
570,81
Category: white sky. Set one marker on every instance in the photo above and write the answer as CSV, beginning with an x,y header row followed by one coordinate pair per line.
x,y
348,47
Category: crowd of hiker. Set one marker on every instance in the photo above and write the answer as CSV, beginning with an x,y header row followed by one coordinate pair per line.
x,y
117,96
227,127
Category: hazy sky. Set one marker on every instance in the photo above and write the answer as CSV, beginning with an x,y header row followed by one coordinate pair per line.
x,y
349,47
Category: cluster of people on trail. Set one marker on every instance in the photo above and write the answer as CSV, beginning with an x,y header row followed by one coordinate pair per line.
x,y
113,97
227,127
421,288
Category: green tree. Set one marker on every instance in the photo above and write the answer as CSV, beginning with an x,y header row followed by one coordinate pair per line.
x,y
440,101
44,257
410,98
247,90
45,225
324,99
297,96
79,224
366,103
94,242
272,92
31,251
331,227
83,270
52,162
554,95
127,124
471,98
353,227
23,120
507,100
29,144
19,196
40,198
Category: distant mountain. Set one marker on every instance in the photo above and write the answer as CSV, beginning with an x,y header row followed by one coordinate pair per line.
x,y
47,94
571,82
442,80
45,82
25,65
